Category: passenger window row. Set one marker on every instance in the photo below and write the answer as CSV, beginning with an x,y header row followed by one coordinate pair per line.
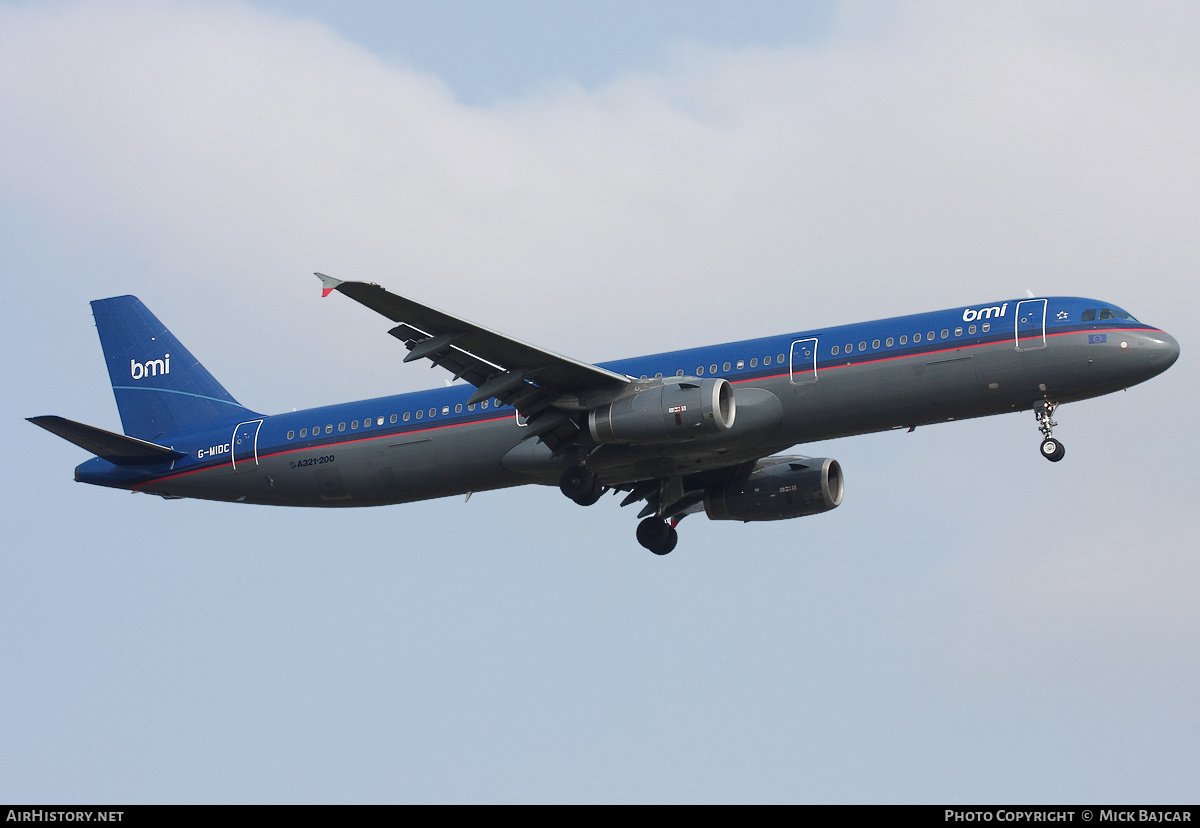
x,y
366,422
931,336
726,367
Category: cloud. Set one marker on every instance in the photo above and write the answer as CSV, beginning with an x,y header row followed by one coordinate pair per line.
x,y
941,157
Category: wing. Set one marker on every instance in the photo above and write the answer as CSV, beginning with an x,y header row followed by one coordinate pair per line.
x,y
546,387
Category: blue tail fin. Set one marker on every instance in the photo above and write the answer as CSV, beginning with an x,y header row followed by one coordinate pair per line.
x,y
159,386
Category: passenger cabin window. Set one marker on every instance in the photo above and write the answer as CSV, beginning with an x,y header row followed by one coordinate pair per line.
x,y
726,367
890,342
779,359
945,333
971,329
445,410
700,371
931,336
849,348
304,432
291,434
406,415
916,337
679,373
458,408
766,360
483,405
391,419
329,429
420,414
354,425
1088,315
741,363
834,350
341,426
712,369
754,362
958,331
367,422
875,343
862,346
904,339
987,326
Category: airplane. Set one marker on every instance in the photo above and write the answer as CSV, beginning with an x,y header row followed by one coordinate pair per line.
x,y
689,431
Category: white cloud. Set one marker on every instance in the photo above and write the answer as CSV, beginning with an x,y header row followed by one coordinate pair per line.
x,y
945,156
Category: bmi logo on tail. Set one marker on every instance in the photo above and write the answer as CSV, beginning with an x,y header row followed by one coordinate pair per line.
x,y
150,368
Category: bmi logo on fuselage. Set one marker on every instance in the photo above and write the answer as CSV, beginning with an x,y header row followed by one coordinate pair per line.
x,y
150,368
970,314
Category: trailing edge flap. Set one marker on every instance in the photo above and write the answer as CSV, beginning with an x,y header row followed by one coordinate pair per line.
x,y
115,448
471,352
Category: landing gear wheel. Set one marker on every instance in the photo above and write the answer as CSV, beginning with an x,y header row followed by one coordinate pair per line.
x,y
1053,450
581,485
657,535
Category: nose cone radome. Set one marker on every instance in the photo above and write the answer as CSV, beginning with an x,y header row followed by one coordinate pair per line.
x,y
1164,350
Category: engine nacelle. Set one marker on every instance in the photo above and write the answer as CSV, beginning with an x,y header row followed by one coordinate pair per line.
x,y
676,409
793,487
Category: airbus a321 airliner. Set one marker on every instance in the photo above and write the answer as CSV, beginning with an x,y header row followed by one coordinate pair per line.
x,y
688,431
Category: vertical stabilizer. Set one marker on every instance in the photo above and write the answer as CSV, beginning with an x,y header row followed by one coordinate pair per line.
x,y
159,386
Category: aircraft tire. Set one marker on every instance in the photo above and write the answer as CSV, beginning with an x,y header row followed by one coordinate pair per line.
x,y
592,496
672,542
657,535
580,484
1053,450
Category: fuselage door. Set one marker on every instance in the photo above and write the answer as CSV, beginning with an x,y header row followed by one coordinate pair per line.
x,y
1031,324
245,446
804,361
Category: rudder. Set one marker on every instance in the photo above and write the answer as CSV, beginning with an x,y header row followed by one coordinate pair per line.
x,y
160,387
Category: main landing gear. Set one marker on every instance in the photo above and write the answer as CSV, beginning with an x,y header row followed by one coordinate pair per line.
x,y
657,535
581,485
1052,449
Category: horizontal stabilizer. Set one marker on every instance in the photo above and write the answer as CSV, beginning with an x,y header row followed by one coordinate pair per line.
x,y
115,448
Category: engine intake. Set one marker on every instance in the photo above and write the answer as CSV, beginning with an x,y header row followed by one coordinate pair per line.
x,y
691,407
792,487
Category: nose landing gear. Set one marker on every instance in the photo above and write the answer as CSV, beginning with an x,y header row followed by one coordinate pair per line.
x,y
1052,449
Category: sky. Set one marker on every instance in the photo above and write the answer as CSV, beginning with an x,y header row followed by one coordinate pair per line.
x,y
971,625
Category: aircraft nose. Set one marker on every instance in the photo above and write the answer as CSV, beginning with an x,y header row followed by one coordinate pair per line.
x,y
1164,350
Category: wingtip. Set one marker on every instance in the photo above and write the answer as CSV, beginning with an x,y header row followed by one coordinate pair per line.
x,y
328,284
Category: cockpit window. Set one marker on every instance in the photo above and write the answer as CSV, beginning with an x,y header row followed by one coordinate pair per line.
x,y
1088,315
1105,313
1115,313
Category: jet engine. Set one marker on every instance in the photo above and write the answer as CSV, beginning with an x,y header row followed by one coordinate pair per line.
x,y
788,488
667,412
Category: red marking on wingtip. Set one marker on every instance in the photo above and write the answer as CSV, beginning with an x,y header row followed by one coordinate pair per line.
x,y
325,292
